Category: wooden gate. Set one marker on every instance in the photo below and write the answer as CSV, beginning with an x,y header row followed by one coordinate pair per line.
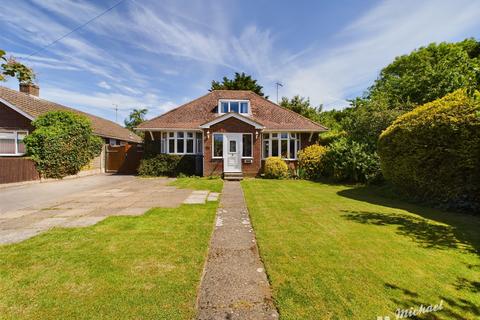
x,y
123,159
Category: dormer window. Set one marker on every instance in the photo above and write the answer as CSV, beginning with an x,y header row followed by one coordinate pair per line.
x,y
238,106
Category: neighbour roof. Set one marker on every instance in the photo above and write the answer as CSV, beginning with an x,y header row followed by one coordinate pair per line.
x,y
204,109
34,107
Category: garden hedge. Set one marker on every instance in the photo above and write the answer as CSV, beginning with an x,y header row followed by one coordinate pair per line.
x,y
167,165
433,152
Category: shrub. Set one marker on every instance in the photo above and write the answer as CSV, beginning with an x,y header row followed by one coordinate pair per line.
x,y
310,161
327,138
433,152
62,143
350,161
167,165
275,168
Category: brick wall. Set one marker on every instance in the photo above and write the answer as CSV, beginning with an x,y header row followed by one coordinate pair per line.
x,y
215,166
12,120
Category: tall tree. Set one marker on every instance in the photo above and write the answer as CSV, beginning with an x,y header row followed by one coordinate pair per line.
x,y
10,67
241,81
428,73
136,117
301,106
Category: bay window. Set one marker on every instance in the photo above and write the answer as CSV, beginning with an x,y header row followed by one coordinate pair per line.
x,y
281,144
181,142
11,143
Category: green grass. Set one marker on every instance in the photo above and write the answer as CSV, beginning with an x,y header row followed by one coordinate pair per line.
x,y
214,184
339,252
146,267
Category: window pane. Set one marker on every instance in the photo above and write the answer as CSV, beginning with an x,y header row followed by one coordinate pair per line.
x,y
232,146
199,143
266,136
7,142
247,145
171,134
162,146
284,145
244,107
224,106
180,146
274,148
292,149
171,146
274,135
284,135
189,134
266,145
189,145
233,106
217,145
20,144
179,134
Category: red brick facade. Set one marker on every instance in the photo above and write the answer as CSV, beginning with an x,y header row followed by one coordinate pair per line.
x,y
12,120
215,166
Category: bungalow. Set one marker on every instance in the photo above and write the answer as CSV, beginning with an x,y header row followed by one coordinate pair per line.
x,y
232,132
19,108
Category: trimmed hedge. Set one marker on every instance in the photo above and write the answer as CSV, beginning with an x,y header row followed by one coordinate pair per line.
x,y
275,168
310,161
62,143
433,152
167,165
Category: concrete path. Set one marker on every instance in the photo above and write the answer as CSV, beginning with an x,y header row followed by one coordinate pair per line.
x,y
234,284
31,209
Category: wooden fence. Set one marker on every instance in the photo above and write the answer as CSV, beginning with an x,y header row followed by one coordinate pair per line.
x,y
14,169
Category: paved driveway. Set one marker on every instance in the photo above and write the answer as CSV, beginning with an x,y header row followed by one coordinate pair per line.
x,y
28,210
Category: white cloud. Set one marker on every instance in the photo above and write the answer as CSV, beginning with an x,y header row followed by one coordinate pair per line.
x,y
104,85
390,29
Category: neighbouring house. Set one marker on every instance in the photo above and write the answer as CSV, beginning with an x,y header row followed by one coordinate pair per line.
x,y
19,108
231,132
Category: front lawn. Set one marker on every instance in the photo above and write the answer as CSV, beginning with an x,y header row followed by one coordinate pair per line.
x,y
339,252
214,184
145,267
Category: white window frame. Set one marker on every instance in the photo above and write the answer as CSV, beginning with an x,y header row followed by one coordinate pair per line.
x,y
16,154
251,135
213,145
297,140
234,100
165,142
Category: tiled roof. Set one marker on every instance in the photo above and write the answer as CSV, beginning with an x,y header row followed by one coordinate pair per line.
x,y
204,109
35,107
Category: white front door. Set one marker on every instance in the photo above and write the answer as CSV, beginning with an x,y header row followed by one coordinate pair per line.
x,y
232,152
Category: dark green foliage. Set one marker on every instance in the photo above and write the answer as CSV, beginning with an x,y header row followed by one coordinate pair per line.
x,y
62,143
170,165
301,106
240,82
428,73
433,152
350,161
136,117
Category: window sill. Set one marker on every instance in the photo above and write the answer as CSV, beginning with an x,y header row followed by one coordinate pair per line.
x,y
12,155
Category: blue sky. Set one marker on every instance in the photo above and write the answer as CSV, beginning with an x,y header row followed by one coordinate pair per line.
x,y
160,54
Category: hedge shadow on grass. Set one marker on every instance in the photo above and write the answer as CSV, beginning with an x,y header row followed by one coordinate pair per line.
x,y
432,228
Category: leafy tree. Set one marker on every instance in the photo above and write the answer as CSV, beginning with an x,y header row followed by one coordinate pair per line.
x,y
240,82
301,106
136,117
428,73
12,68
62,143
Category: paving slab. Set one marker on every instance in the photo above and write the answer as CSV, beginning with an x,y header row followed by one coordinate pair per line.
x,y
31,209
234,284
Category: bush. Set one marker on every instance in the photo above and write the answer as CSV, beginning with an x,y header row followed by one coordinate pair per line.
x,y
433,152
350,161
310,161
275,168
62,143
167,165
327,138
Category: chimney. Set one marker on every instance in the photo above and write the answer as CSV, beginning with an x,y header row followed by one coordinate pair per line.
x,y
30,88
